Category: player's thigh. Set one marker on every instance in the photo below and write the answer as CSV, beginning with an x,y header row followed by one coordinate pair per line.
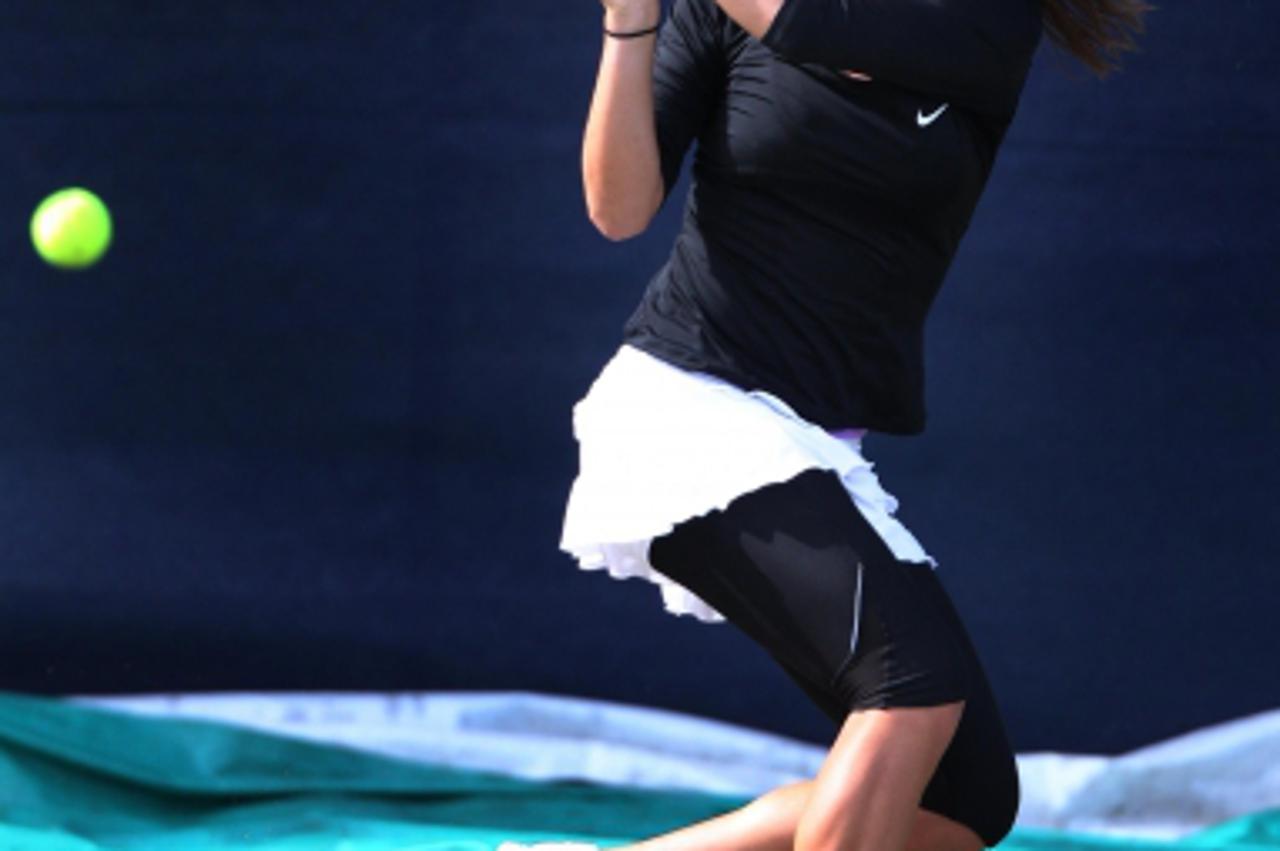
x,y
779,564
797,567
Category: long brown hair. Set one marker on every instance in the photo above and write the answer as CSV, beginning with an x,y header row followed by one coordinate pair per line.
x,y
1095,31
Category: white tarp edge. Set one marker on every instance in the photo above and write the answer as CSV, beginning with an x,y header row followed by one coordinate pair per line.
x,y
1163,790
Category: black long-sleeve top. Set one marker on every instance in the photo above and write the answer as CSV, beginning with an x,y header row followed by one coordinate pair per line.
x,y
825,210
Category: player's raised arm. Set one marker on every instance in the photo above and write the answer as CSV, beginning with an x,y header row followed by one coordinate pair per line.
x,y
651,101
620,166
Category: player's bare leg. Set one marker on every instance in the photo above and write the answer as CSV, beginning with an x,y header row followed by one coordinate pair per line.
x,y
866,796
842,809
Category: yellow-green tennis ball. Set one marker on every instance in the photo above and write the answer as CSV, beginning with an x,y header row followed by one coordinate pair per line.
x,y
71,229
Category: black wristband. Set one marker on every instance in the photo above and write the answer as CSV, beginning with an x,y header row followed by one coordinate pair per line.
x,y
636,34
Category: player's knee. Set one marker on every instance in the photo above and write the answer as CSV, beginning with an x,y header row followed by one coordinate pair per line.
x,y
783,804
989,807
820,834
1000,804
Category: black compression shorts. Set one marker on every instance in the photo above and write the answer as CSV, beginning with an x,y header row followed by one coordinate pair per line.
x,y
798,568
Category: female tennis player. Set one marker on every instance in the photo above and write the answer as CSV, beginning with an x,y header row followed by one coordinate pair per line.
x,y
842,146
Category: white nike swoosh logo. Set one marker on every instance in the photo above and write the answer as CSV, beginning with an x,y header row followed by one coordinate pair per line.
x,y
925,120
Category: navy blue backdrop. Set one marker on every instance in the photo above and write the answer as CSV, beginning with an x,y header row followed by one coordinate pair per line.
x,y
308,424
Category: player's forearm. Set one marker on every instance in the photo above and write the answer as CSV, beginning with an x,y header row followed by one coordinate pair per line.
x,y
621,170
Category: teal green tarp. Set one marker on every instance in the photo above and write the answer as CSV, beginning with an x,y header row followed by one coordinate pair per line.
x,y
76,778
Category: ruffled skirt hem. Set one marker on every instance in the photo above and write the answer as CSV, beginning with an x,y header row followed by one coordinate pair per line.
x,y
659,445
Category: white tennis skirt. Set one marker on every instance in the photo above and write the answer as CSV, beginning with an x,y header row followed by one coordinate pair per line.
x,y
659,445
